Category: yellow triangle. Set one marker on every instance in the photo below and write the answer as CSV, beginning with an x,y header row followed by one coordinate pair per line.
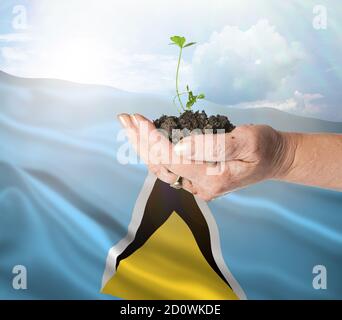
x,y
168,266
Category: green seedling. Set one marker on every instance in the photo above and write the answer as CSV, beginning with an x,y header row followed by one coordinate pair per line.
x,y
192,99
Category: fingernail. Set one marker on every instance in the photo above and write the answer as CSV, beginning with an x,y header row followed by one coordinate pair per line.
x,y
135,120
122,119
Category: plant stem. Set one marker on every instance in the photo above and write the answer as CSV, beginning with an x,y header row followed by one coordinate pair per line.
x,y
177,91
174,101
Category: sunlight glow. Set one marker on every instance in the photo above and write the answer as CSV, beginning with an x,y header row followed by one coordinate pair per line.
x,y
79,60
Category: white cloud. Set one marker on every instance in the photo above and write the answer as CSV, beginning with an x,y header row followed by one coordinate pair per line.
x,y
236,66
117,44
307,102
300,103
146,72
15,37
88,62
13,54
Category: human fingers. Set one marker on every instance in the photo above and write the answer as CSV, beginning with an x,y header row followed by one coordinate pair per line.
x,y
131,130
209,147
159,150
169,177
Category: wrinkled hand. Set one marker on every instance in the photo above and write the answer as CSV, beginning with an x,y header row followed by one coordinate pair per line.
x,y
212,165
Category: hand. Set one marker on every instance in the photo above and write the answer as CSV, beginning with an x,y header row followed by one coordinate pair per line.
x,y
158,153
212,165
247,155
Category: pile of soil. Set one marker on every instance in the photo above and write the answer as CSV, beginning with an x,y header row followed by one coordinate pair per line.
x,y
189,121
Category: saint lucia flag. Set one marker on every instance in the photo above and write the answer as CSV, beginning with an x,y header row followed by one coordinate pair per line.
x,y
86,224
171,251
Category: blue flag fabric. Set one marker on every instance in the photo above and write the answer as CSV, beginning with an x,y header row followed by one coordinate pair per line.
x,y
65,199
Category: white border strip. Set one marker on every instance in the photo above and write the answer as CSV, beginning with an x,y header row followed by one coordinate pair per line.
x,y
216,248
137,215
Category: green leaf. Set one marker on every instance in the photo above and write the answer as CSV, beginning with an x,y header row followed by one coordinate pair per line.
x,y
178,40
189,104
189,44
192,99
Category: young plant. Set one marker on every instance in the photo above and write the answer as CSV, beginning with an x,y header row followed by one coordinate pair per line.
x,y
192,99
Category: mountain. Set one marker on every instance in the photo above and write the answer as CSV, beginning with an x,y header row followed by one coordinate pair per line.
x,y
44,102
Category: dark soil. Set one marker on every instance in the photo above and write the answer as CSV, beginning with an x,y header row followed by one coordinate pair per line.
x,y
189,121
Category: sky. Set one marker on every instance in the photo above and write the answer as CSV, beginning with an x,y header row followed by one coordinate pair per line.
x,y
283,54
